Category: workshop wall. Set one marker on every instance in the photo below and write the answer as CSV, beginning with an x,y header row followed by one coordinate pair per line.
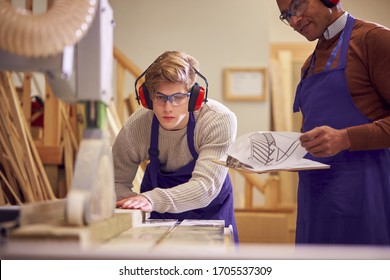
x,y
220,34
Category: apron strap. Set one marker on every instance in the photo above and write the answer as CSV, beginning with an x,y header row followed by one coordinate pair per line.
x,y
190,135
347,35
153,151
334,52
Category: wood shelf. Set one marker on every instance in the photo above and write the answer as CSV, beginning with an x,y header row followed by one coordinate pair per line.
x,y
50,154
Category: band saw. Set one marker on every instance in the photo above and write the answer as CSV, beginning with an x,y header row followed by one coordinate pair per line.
x,y
75,52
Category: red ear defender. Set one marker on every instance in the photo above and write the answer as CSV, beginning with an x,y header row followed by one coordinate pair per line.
x,y
197,97
200,99
142,94
330,3
143,97
198,94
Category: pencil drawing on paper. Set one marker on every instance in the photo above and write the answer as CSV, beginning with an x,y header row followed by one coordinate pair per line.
x,y
264,151
267,151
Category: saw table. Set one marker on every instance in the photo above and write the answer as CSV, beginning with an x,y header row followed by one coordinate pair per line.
x,y
126,232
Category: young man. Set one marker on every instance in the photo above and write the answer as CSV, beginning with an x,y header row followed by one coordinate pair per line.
x,y
180,134
344,97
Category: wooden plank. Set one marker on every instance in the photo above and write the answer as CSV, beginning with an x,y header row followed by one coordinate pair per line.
x,y
272,192
61,184
9,139
81,120
42,173
10,189
68,158
131,104
300,51
19,124
248,195
36,133
52,171
254,227
120,95
18,164
52,119
74,122
12,176
254,180
50,154
3,198
84,236
20,152
127,63
37,212
26,102
68,126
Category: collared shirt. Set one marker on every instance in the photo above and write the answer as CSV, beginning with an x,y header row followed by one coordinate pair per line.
x,y
336,27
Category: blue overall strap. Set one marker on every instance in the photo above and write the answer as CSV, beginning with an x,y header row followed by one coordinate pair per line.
x,y
334,53
344,49
153,151
190,135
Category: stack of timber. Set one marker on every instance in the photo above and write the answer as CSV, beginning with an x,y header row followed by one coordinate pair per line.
x,y
22,175
58,142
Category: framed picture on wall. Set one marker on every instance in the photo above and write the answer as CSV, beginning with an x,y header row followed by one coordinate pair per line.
x,y
245,84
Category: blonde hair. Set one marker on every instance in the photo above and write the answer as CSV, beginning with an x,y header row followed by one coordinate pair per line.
x,y
171,67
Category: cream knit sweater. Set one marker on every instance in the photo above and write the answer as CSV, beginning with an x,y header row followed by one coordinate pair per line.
x,y
215,130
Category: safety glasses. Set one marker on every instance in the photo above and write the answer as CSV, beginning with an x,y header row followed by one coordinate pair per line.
x,y
297,8
176,99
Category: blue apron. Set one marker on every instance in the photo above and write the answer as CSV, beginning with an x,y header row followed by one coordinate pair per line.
x,y
348,203
221,208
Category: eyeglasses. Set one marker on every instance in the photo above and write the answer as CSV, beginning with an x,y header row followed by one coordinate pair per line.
x,y
176,99
297,8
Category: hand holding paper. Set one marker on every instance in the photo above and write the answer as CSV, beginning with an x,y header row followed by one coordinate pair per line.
x,y
264,151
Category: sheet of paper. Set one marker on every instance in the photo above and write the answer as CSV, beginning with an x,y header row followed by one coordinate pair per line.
x,y
264,151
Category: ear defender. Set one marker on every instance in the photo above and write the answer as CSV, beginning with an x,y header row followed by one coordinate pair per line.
x,y
197,98
143,97
330,3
